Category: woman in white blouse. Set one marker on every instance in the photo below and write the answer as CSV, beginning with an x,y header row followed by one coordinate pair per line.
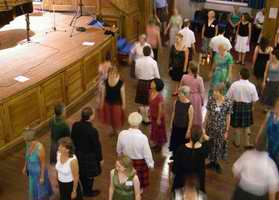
x,y
67,171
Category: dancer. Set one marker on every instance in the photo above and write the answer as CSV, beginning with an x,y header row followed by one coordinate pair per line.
x,y
158,135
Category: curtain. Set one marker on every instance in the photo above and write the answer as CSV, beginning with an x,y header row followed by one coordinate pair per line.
x,y
256,4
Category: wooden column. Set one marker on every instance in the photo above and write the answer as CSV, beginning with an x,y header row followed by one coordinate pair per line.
x,y
271,25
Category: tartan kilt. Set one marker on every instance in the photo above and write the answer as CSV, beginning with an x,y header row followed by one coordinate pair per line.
x,y
142,94
142,172
242,116
88,165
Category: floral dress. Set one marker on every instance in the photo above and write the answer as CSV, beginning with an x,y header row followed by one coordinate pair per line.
x,y
216,127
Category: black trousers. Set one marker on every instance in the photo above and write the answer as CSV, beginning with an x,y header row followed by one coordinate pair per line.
x,y
87,184
66,189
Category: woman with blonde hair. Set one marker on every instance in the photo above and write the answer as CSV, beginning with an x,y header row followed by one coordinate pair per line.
x,y
174,25
124,184
113,101
35,168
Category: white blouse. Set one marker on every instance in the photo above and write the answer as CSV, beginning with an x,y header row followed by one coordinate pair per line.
x,y
64,170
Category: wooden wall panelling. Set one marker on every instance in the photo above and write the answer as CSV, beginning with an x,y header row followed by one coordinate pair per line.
x,y
270,25
73,82
146,11
52,91
107,50
132,26
2,129
23,111
90,68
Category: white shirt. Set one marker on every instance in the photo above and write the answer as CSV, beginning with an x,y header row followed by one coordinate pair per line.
x,y
137,50
259,19
134,144
258,173
188,37
217,40
64,170
146,68
243,91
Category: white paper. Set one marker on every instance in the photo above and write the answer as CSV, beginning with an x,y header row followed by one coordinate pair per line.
x,y
273,13
21,79
88,43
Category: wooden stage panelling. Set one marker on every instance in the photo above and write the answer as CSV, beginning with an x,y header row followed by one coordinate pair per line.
x,y
59,67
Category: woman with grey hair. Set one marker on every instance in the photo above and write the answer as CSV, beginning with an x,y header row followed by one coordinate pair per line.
x,y
35,168
182,118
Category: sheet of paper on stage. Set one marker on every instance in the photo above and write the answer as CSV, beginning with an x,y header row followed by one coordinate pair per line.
x,y
273,12
21,79
88,43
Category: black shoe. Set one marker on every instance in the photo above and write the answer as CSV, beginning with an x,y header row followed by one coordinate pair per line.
x,y
93,193
210,165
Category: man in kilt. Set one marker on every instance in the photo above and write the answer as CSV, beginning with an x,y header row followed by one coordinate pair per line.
x,y
244,94
134,144
88,151
146,70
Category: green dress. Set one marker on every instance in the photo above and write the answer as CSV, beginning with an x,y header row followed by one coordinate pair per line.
x,y
123,191
221,73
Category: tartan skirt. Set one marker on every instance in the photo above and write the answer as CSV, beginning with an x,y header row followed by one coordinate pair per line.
x,y
88,165
242,116
142,172
142,94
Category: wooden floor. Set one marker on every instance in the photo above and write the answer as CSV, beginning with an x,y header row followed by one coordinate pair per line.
x,y
13,185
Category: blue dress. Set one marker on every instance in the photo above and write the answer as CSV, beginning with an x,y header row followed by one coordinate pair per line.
x,y
272,130
37,191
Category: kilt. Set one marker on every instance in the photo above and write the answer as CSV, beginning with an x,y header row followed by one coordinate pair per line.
x,y
88,165
242,116
142,94
142,172
240,194
162,14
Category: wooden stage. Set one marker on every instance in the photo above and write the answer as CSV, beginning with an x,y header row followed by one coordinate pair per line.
x,y
59,68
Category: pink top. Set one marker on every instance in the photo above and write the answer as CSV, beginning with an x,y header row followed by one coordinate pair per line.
x,y
196,84
152,33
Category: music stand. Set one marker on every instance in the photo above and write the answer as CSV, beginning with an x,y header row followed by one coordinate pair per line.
x,y
53,28
77,15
